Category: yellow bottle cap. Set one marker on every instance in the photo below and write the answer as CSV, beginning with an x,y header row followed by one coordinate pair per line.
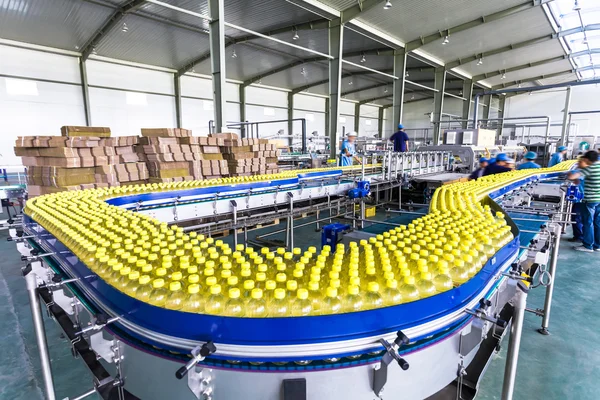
x,y
144,280
291,285
331,292
194,278
215,289
426,276
280,294
353,290
261,276
409,280
234,293
257,293
193,289
175,286
232,280
302,294
161,272
209,272
211,281
297,251
391,283
226,265
373,287
176,276
248,284
313,285
280,251
270,285
134,275
158,283
225,273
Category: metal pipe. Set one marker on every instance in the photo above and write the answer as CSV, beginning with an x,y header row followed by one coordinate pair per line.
x,y
514,344
372,221
550,288
291,222
40,334
83,395
235,220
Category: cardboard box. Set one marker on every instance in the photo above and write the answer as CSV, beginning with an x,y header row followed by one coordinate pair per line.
x,y
225,136
27,151
210,150
158,140
85,131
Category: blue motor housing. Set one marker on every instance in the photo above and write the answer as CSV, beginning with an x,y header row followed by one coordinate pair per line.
x,y
363,188
574,194
331,233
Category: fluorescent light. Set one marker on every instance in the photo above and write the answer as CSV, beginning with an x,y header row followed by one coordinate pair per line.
x,y
124,28
480,61
296,36
446,40
388,5
363,59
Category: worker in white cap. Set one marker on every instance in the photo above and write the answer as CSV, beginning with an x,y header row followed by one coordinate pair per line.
x,y
348,151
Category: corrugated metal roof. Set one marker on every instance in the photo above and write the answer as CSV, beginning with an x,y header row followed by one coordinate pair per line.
x,y
516,28
559,79
354,41
520,56
200,7
314,39
265,15
528,73
380,63
293,77
62,24
148,42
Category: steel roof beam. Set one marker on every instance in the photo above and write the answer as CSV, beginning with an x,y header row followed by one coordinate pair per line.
x,y
488,75
113,20
584,53
305,26
536,78
588,68
285,67
530,42
352,12
579,29
423,40
374,98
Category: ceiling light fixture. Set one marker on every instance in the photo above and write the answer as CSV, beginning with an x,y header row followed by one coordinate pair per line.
x,y
94,52
460,93
303,71
530,93
480,61
503,76
446,40
385,90
296,36
350,83
406,74
388,5
363,59
412,97
519,86
125,28
233,54
576,7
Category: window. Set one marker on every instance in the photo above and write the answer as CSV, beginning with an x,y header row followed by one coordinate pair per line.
x,y
309,117
342,120
21,87
208,105
269,111
136,99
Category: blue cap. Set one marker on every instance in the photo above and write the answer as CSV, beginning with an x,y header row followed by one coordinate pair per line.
x,y
501,157
400,126
562,148
492,160
483,159
531,155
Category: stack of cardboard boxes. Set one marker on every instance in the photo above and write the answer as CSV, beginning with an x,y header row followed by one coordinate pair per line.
x,y
248,156
174,155
89,160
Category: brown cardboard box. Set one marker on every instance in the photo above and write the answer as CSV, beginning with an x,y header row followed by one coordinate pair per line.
x,y
128,158
158,140
24,141
85,131
158,132
212,156
122,150
27,152
225,135
210,150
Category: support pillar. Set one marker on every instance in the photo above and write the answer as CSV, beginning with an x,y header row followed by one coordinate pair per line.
x,y
336,41
85,92
487,104
438,101
380,122
243,110
565,125
501,115
398,88
216,30
290,117
177,89
357,118
467,94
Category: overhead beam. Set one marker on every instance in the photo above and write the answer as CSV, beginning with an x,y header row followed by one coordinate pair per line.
x,y
352,12
85,92
217,50
415,44
584,53
336,48
467,94
500,50
588,68
113,20
535,78
282,68
438,102
492,74
398,88
177,90
579,29
372,99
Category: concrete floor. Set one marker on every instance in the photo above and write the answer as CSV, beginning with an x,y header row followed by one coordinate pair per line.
x,y
565,365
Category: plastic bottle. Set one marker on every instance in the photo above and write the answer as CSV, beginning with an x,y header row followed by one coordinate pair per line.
x,y
176,296
425,285
159,294
391,294
372,297
316,297
408,290
215,304
331,303
144,289
302,305
133,284
278,307
247,293
442,280
269,293
235,305
256,307
352,301
459,273
194,301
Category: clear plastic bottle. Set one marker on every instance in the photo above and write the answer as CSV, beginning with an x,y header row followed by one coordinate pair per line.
x,y
176,296
278,307
459,273
269,293
159,294
194,302
247,293
391,294
133,284
235,305
256,307
331,303
373,297
442,281
316,297
408,290
215,304
352,302
144,289
302,305
425,285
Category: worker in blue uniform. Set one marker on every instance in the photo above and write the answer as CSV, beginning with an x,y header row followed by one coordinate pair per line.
x,y
529,163
558,157
400,140
503,164
348,151
478,173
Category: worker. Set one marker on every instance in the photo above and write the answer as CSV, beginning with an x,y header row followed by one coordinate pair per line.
x,y
348,152
589,168
529,163
400,140
558,157
501,165
478,173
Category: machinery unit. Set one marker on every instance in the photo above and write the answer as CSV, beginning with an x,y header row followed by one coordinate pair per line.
x,y
477,137
414,349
